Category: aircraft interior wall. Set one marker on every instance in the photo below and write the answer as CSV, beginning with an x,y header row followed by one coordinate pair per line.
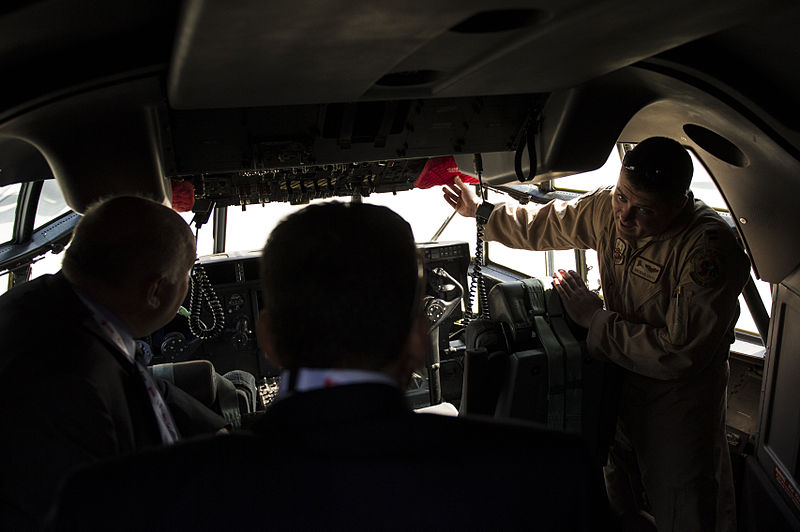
x,y
778,441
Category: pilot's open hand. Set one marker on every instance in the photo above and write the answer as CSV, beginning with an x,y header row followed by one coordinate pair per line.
x,y
461,198
579,302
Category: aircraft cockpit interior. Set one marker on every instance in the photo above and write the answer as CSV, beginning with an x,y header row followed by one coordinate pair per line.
x,y
238,114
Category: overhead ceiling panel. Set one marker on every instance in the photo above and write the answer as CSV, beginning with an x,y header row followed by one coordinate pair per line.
x,y
252,53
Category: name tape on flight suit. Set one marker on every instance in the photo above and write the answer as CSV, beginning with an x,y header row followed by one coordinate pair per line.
x,y
646,269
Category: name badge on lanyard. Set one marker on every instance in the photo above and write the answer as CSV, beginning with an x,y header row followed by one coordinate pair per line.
x,y
166,425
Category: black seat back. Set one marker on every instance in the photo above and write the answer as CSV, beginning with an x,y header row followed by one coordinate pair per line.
x,y
530,362
485,366
421,473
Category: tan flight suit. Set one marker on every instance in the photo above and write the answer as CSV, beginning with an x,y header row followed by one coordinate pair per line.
x,y
671,303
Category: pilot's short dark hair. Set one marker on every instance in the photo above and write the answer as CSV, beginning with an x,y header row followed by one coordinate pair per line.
x,y
340,286
660,165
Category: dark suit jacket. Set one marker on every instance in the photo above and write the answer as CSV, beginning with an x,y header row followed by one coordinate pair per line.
x,y
67,397
345,458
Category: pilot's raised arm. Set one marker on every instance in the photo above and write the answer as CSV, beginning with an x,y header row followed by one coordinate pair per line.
x,y
671,272
579,223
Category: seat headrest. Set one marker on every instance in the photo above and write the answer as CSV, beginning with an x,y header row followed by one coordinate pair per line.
x,y
195,377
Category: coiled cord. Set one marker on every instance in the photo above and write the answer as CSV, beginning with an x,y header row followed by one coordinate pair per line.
x,y
477,285
202,293
483,295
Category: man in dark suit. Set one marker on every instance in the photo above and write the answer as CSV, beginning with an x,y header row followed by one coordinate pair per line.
x,y
71,391
339,448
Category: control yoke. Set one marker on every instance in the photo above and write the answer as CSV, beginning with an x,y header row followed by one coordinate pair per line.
x,y
438,310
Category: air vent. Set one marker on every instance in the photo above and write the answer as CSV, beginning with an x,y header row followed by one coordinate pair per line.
x,y
500,20
409,78
716,145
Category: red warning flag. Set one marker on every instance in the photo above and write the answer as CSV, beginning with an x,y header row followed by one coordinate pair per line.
x,y
441,171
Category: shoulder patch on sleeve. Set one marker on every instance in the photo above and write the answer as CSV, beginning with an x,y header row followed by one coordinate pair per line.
x,y
706,267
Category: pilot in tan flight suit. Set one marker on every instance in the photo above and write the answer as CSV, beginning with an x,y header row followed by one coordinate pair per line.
x,y
671,272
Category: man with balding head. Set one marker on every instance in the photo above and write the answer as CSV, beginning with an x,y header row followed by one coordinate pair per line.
x,y
70,388
132,255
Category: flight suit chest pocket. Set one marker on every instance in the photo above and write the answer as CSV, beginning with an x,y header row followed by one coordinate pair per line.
x,y
650,301
646,290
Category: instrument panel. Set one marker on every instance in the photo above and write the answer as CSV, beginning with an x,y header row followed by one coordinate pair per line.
x,y
233,279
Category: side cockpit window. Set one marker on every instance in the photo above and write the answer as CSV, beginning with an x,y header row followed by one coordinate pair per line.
x,y
32,238
51,206
8,208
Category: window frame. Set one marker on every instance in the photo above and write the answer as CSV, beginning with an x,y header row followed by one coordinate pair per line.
x,y
29,243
